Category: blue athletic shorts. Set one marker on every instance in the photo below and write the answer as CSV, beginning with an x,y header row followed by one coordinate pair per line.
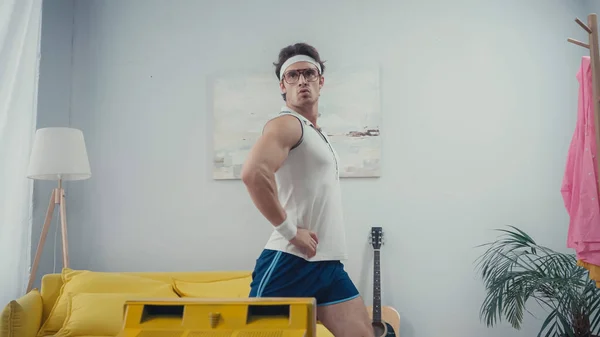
x,y
280,274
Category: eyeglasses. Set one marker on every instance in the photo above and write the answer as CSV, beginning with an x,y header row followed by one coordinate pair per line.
x,y
292,76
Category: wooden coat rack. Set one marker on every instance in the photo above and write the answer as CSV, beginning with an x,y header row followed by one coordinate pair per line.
x,y
592,29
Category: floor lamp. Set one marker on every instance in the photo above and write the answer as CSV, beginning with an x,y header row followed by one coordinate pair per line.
x,y
58,154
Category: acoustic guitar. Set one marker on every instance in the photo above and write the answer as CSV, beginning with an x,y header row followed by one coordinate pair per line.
x,y
384,319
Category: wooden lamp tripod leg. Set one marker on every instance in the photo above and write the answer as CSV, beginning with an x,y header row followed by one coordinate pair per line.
x,y
40,246
63,228
56,198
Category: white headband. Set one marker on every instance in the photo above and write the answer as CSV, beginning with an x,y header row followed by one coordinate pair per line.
x,y
295,59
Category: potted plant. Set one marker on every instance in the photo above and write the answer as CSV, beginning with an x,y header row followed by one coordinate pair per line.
x,y
516,270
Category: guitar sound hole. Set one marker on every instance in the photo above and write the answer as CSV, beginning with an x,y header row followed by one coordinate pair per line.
x,y
378,329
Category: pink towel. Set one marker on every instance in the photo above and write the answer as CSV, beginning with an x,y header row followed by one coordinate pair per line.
x,y
579,186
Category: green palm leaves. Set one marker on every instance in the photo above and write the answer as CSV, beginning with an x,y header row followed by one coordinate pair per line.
x,y
516,271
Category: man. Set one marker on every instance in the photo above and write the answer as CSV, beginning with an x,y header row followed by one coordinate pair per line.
x,y
292,176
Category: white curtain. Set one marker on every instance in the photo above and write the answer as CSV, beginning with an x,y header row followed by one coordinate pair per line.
x,y
20,32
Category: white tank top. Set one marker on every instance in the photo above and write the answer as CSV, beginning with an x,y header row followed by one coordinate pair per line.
x,y
308,187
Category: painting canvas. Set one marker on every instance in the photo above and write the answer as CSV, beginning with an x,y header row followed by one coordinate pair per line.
x,y
349,109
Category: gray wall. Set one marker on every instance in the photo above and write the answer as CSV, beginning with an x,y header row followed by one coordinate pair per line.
x,y
54,109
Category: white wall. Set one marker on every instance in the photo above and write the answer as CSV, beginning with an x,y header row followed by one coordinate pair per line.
x,y
479,104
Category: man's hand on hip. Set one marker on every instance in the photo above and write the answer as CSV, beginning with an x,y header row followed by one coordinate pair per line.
x,y
306,241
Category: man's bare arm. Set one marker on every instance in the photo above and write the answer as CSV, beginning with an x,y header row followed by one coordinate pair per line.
x,y
266,156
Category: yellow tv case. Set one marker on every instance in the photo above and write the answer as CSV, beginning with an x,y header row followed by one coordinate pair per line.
x,y
200,317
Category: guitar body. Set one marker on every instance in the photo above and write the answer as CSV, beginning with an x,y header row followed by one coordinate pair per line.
x,y
390,322
385,320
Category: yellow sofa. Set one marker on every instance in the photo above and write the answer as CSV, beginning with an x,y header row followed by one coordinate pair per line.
x,y
83,303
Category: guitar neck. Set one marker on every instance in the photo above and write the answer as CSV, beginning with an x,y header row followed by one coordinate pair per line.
x,y
376,287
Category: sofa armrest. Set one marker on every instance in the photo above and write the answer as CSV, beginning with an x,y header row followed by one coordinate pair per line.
x,y
22,317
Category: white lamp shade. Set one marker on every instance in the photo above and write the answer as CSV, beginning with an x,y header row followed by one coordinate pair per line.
x,y
59,153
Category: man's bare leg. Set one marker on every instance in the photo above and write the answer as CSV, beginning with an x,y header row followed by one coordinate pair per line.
x,y
346,319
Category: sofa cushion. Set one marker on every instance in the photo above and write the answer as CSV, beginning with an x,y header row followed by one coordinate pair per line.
x,y
193,276
85,281
100,314
231,288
